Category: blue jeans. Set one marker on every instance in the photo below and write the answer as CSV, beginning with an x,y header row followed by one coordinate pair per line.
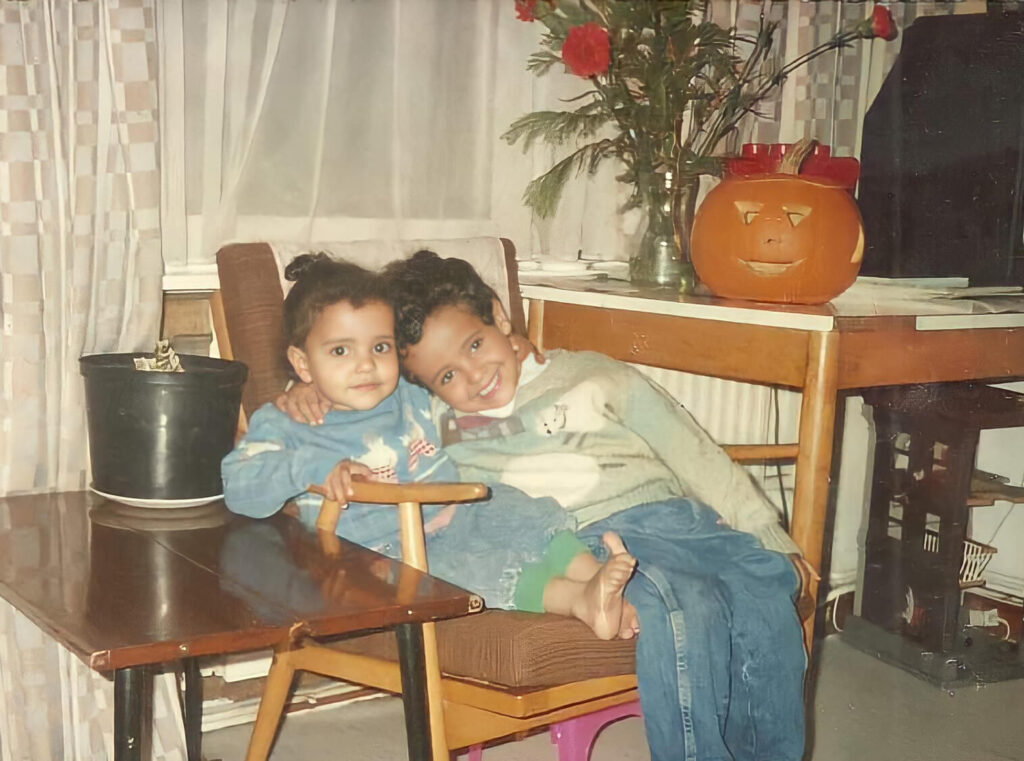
x,y
488,544
720,659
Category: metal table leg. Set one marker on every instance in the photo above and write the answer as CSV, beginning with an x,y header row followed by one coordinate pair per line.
x,y
414,690
130,698
193,709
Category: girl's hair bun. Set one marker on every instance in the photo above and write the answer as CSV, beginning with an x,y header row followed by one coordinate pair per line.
x,y
305,265
320,280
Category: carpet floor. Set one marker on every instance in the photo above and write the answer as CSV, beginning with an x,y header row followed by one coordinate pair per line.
x,y
863,709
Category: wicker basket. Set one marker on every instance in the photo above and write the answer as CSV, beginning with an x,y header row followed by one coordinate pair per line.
x,y
976,557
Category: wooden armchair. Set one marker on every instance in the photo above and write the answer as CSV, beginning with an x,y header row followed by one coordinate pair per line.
x,y
490,675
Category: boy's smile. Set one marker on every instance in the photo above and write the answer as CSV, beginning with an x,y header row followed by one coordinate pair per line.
x,y
349,355
469,364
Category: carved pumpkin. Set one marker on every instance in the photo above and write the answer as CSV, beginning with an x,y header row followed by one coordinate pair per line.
x,y
779,238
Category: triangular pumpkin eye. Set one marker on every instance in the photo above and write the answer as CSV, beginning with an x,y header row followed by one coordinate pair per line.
x,y
748,210
796,213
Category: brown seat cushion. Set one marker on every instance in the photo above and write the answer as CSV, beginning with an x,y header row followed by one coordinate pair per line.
x,y
514,649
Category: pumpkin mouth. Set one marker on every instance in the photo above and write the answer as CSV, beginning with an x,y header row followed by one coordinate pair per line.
x,y
769,268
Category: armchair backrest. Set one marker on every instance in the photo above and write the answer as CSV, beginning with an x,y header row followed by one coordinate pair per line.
x,y
252,289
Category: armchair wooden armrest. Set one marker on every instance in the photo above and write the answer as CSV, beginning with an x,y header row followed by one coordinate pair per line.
x,y
408,497
807,573
379,493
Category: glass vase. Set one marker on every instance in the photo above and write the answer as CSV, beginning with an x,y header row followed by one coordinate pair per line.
x,y
662,259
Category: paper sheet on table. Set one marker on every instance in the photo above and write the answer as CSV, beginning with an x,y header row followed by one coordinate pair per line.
x,y
870,295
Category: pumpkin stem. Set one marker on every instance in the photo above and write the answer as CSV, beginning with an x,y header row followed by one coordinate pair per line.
x,y
796,154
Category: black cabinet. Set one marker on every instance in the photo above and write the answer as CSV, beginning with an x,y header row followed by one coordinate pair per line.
x,y
917,552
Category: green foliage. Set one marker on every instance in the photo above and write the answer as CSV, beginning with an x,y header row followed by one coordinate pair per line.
x,y
544,192
557,127
676,85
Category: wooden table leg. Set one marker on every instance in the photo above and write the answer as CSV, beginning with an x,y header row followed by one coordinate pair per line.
x,y
414,690
414,553
535,325
814,460
193,709
131,686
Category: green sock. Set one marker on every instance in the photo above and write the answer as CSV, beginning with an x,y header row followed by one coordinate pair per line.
x,y
560,552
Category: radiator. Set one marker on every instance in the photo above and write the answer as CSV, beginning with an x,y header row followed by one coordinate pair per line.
x,y
743,413
739,413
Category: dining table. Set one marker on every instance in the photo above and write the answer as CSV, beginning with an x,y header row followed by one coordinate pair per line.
x,y
132,589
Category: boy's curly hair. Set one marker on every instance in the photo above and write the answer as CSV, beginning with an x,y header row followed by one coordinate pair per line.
x,y
420,285
321,281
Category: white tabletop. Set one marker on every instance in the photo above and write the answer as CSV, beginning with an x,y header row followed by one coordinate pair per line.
x,y
867,297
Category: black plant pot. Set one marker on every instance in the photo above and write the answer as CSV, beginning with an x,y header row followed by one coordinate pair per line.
x,y
158,435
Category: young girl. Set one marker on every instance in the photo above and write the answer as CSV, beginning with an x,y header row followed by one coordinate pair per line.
x,y
720,662
513,550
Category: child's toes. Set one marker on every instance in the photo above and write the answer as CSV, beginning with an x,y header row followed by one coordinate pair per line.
x,y
613,542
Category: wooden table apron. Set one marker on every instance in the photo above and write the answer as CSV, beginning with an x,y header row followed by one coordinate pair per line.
x,y
857,353
124,600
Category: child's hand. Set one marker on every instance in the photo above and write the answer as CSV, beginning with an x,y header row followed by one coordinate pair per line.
x,y
524,348
804,570
805,573
338,483
303,404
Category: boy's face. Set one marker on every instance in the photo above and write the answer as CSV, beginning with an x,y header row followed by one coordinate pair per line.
x,y
469,364
349,355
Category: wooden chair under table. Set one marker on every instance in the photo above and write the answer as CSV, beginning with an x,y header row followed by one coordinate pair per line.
x,y
491,675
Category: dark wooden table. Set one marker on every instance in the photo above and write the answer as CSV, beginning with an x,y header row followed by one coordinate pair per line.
x,y
127,589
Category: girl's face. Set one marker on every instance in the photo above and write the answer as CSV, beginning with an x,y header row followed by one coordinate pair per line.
x,y
469,364
349,355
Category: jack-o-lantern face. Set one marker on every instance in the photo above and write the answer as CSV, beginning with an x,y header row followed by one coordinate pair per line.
x,y
777,238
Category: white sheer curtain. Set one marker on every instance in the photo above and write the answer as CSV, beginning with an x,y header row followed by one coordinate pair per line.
x,y
311,120
343,119
79,193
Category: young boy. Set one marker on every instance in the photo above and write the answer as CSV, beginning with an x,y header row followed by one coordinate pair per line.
x,y
513,550
720,659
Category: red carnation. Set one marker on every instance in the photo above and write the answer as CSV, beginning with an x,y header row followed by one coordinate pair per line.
x,y
586,50
879,24
525,10
882,24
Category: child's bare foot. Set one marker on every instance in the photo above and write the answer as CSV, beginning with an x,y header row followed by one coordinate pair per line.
x,y
601,604
629,626
613,543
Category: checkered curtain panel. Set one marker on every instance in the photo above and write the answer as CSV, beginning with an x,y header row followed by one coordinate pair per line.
x,y
79,219
54,707
80,271
827,98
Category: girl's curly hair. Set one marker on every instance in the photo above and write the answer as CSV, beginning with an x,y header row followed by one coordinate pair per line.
x,y
420,285
321,281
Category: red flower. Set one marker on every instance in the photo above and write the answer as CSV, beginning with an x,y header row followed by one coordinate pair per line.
x,y
586,50
882,24
525,10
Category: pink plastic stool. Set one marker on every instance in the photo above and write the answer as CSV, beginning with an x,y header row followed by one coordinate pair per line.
x,y
575,737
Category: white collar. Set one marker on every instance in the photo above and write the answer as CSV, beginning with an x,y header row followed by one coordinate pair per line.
x,y
529,369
